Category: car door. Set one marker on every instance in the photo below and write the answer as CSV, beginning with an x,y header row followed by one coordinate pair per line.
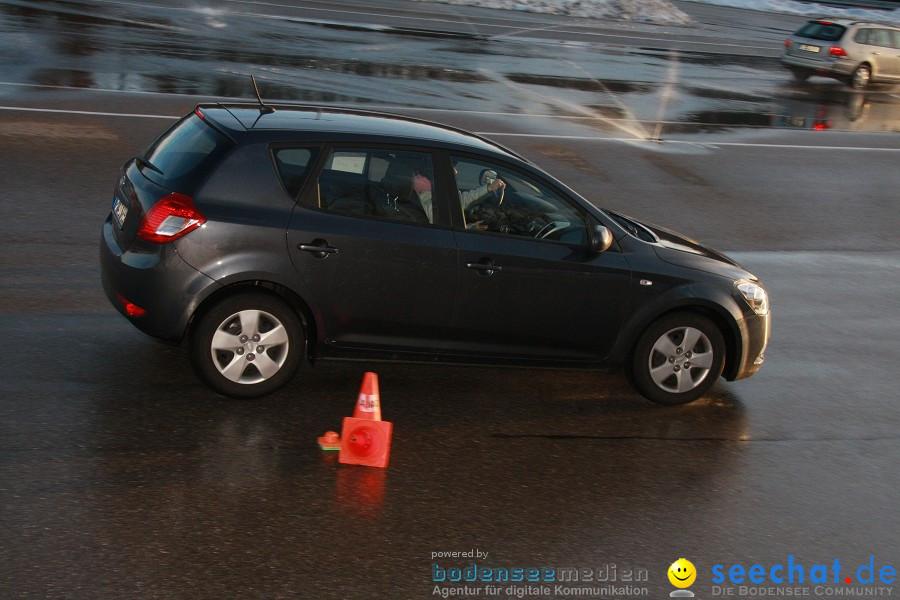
x,y
380,268
529,286
894,53
884,53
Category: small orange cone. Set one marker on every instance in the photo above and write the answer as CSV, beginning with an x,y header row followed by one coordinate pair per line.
x,y
365,438
330,441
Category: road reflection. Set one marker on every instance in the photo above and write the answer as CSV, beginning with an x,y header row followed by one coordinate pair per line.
x,y
645,92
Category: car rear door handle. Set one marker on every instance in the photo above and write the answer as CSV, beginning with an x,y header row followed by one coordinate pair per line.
x,y
485,267
318,248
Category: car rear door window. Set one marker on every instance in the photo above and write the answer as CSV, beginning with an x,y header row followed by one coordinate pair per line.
x,y
881,37
383,183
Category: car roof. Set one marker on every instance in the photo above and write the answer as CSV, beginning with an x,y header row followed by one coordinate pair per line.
x,y
236,117
853,23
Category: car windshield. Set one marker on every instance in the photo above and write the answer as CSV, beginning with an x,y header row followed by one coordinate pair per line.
x,y
822,30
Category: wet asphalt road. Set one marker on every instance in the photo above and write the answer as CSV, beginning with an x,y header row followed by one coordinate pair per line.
x,y
121,476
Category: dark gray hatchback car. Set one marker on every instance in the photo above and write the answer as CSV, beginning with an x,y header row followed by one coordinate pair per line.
x,y
268,239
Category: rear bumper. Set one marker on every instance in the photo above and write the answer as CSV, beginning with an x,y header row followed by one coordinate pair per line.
x,y
156,280
833,66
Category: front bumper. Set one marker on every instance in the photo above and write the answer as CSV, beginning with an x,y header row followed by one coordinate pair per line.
x,y
754,335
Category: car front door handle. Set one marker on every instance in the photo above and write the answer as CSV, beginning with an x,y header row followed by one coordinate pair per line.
x,y
318,248
485,268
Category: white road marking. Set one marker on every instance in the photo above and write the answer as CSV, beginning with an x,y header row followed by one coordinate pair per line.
x,y
709,145
851,259
87,112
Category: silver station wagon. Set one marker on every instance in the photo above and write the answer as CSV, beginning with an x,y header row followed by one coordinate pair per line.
x,y
856,52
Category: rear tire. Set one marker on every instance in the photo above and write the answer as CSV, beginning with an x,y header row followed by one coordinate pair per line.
x,y
861,77
247,345
800,75
678,358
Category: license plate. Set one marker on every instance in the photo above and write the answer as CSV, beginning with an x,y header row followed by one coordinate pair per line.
x,y
120,211
808,48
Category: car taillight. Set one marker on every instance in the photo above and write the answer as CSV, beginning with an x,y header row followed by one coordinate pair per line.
x,y
169,219
131,309
837,51
787,43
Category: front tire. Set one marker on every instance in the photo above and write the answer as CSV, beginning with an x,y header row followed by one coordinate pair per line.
x,y
247,345
678,358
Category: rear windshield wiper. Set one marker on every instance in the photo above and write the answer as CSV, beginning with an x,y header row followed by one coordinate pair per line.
x,y
146,163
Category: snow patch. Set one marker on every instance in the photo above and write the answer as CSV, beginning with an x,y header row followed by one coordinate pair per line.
x,y
810,9
663,12
645,11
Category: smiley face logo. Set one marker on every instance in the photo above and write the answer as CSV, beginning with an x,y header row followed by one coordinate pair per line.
x,y
682,573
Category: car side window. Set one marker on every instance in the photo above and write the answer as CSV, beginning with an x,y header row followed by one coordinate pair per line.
x,y
292,165
896,36
390,184
880,37
862,36
498,200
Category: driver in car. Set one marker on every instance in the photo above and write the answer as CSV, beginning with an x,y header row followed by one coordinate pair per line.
x,y
490,183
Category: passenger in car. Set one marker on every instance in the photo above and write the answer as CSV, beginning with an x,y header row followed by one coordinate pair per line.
x,y
422,187
405,192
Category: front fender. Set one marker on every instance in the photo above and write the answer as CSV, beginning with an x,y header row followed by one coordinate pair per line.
x,y
715,301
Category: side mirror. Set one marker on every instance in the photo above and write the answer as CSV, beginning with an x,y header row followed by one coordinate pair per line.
x,y
601,238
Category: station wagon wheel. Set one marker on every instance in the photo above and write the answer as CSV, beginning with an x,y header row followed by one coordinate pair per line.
x,y
247,345
800,75
678,358
861,77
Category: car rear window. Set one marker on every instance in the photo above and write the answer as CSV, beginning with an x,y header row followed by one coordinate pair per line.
x,y
181,158
820,30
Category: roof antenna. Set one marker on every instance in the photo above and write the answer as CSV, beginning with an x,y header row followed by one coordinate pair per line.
x,y
263,109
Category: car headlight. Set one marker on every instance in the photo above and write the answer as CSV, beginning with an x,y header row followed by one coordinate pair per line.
x,y
755,296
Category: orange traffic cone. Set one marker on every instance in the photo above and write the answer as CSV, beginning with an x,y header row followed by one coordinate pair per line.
x,y
368,406
365,438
